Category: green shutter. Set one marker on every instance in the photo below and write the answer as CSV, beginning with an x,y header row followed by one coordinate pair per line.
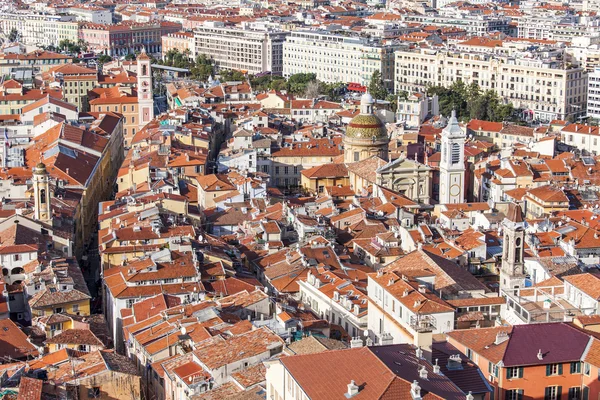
x,y
507,373
560,370
558,391
548,369
586,393
520,372
547,393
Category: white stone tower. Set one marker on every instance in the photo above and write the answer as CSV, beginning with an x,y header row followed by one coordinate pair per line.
x,y
41,192
144,88
452,165
512,272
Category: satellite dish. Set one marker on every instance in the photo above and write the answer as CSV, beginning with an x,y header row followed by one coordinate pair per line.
x,y
200,238
366,333
183,330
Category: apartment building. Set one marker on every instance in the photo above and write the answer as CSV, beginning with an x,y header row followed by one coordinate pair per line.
x,y
545,89
337,58
478,25
92,14
251,48
593,94
34,29
126,37
183,42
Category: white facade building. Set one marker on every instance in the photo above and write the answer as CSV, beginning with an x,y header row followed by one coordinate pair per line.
x,y
544,88
337,58
593,96
252,48
95,15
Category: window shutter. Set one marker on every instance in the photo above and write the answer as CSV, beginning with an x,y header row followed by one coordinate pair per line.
x,y
572,371
547,393
586,393
507,373
520,372
560,370
520,394
548,369
571,393
558,392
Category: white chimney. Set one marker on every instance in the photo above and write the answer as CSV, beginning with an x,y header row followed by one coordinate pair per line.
x,y
436,368
540,356
419,353
415,390
423,372
352,389
356,342
501,337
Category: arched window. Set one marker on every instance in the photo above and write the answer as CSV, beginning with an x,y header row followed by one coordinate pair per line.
x,y
43,196
455,153
144,70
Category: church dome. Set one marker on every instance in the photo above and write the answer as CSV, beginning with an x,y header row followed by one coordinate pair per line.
x,y
366,126
40,169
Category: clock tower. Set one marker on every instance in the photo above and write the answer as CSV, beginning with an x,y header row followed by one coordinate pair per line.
x,y
144,89
452,164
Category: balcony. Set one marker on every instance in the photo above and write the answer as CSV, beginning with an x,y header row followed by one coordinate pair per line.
x,y
423,323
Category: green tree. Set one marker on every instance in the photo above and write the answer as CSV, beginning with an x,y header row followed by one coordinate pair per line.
x,y
393,99
377,86
202,68
333,91
297,83
232,75
104,58
14,35
130,57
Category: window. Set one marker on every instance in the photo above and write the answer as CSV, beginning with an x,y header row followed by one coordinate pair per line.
x,y
455,153
553,393
587,369
469,353
75,308
554,369
94,393
514,372
576,367
356,156
514,394
574,393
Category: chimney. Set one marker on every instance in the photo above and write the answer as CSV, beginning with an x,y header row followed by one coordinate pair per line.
x,y
415,390
422,288
356,342
436,368
419,353
540,356
353,390
501,337
470,396
423,372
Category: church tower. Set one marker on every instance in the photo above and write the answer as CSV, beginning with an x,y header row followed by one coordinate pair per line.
x,y
41,192
144,89
452,165
366,135
512,272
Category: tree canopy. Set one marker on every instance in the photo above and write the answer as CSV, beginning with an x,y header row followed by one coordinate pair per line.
x,y
377,86
470,102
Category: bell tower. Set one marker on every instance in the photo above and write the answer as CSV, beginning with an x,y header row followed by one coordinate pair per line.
x,y
512,272
144,89
452,165
41,192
